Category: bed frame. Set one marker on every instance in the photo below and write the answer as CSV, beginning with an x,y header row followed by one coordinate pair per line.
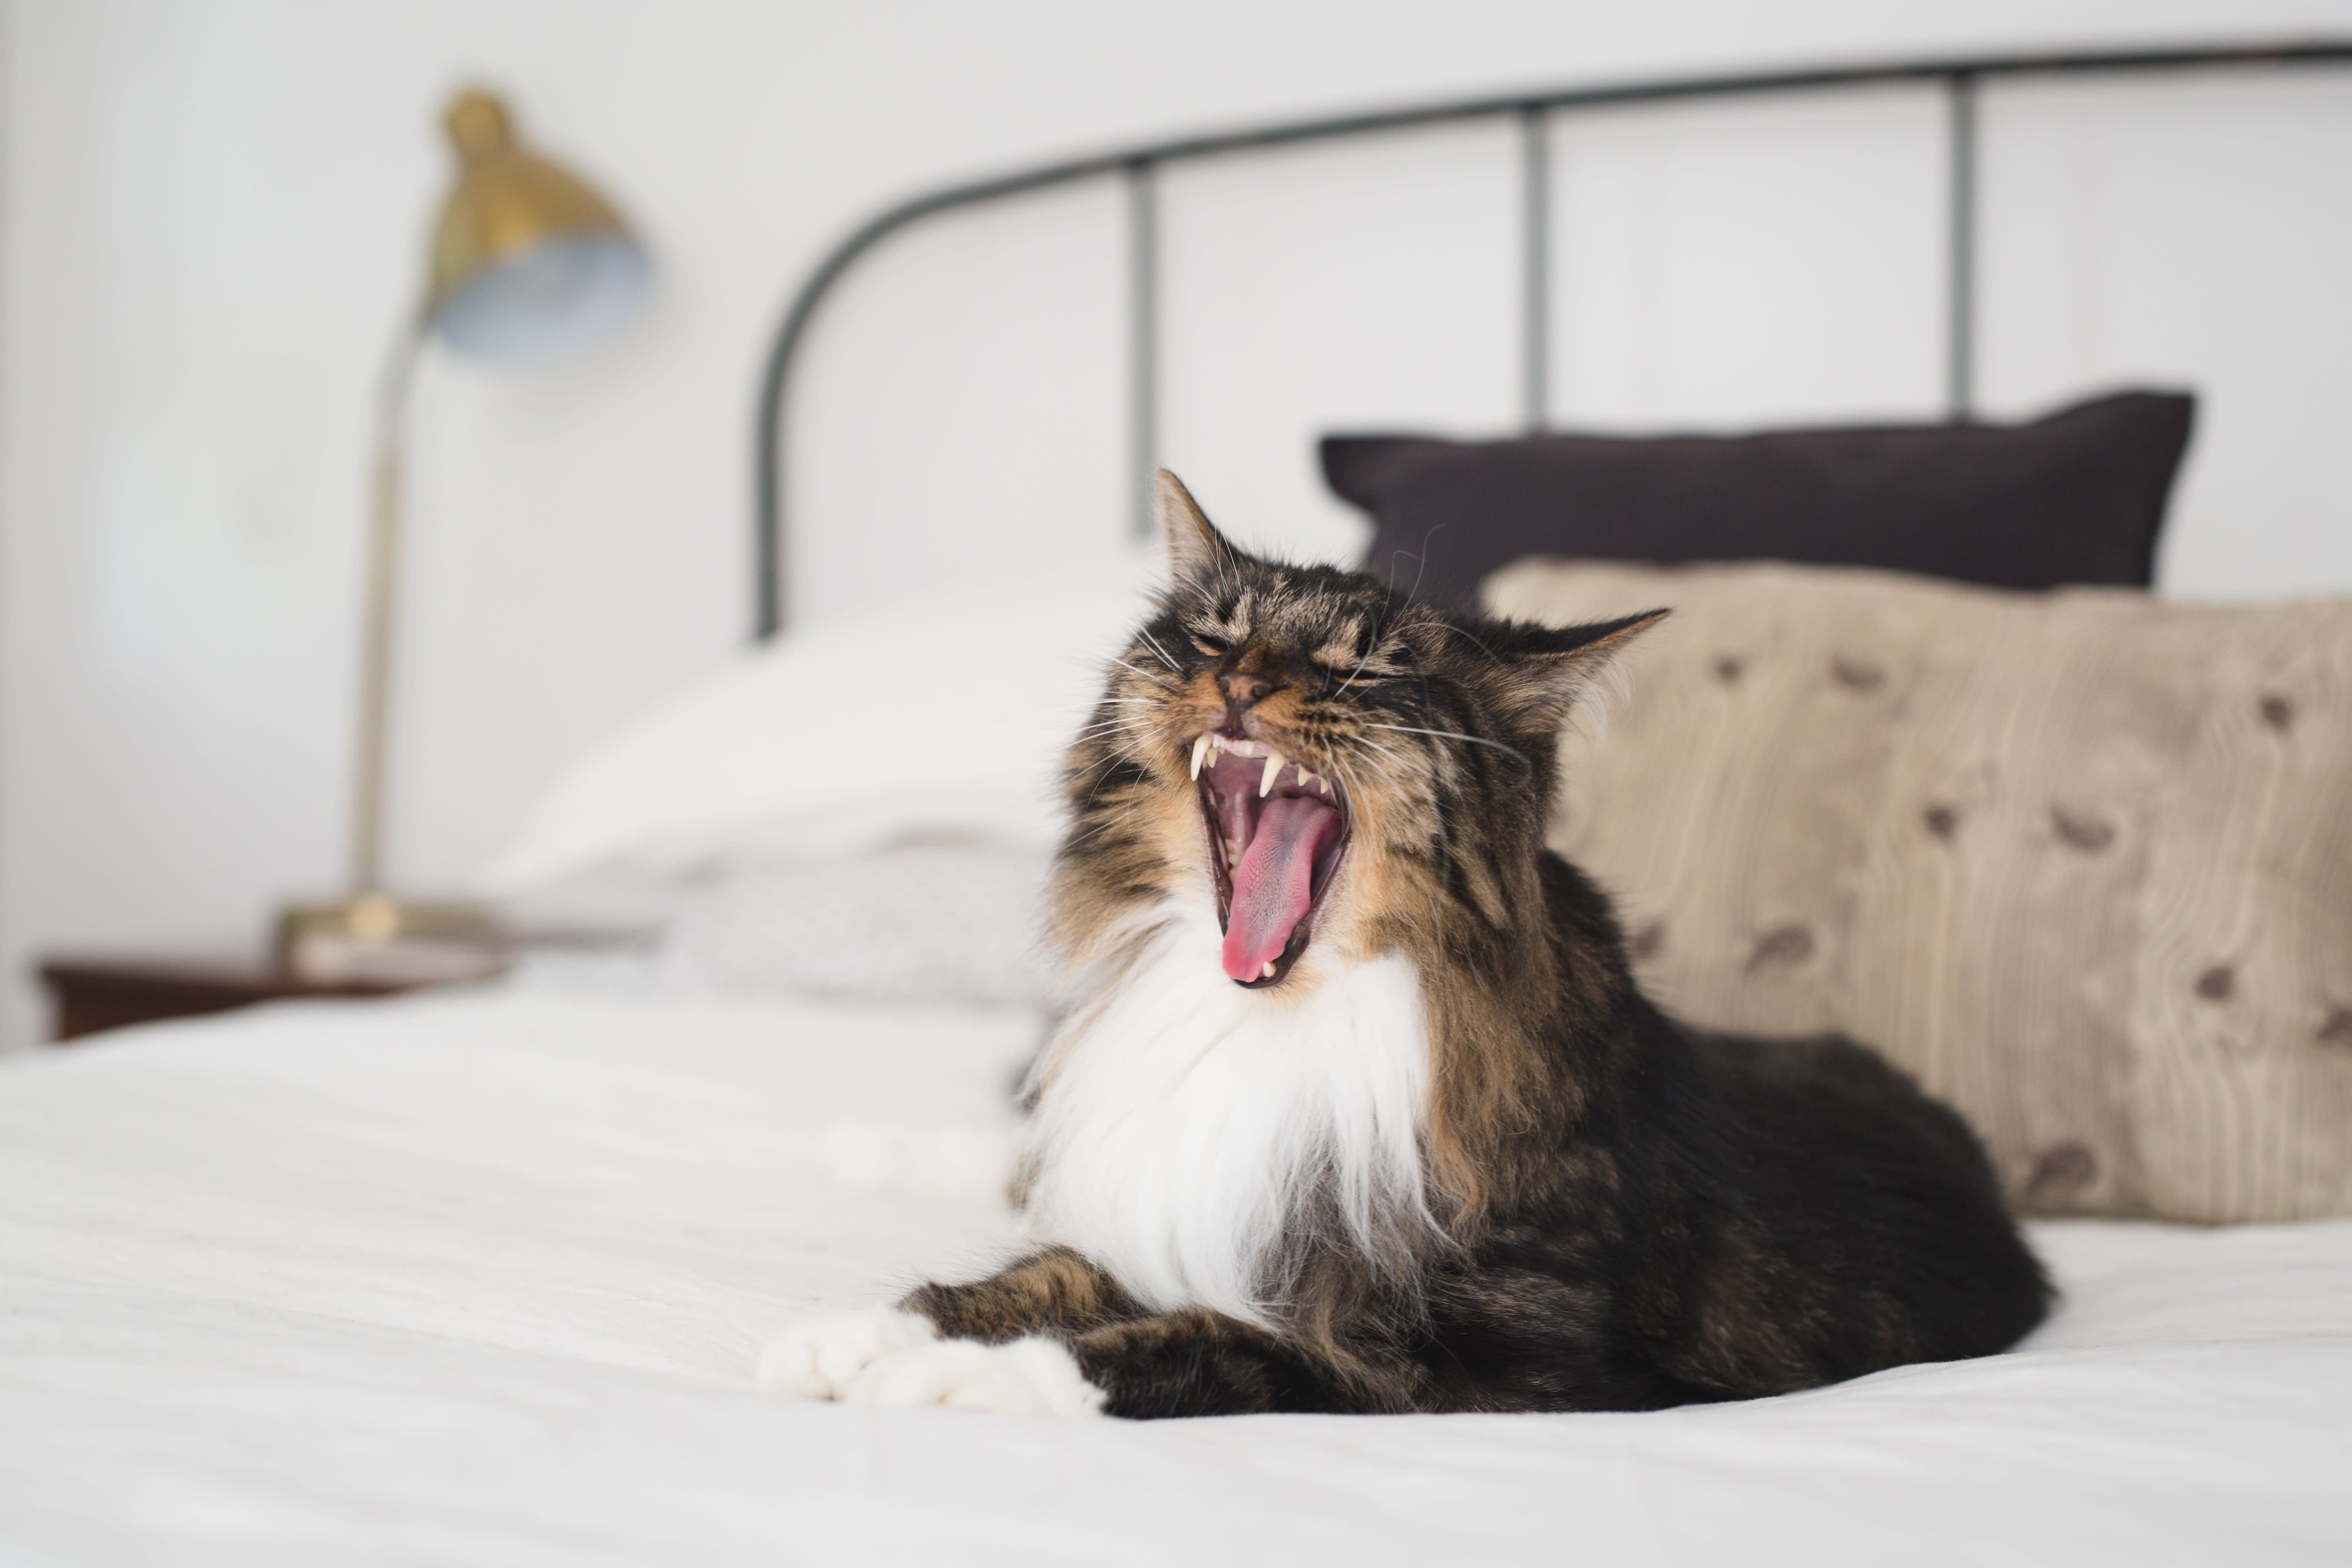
x,y
1138,168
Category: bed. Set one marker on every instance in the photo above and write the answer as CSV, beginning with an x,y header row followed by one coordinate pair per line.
x,y
479,1276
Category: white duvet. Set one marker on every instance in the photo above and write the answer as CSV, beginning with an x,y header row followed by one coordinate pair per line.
x,y
479,1280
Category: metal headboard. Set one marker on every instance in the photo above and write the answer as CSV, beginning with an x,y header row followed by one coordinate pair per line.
x,y
1138,166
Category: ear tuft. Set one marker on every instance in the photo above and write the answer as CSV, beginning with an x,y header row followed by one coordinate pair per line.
x,y
1601,640
1196,550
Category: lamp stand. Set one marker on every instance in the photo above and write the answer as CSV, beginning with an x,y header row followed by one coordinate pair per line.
x,y
382,580
370,933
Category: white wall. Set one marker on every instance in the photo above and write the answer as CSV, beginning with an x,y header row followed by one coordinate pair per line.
x,y
213,215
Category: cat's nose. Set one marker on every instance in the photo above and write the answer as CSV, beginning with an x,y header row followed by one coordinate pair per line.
x,y
1242,688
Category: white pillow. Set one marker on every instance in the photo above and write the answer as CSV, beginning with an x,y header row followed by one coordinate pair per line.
x,y
922,923
937,717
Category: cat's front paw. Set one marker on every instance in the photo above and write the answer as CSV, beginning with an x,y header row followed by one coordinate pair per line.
x,y
819,1357
1029,1376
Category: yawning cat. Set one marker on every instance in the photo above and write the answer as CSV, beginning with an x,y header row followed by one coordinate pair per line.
x,y
1356,1105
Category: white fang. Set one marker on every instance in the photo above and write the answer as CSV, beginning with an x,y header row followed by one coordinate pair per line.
x,y
1193,1130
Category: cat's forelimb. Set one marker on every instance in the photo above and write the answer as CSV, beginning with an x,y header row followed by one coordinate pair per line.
x,y
1050,1334
1193,1362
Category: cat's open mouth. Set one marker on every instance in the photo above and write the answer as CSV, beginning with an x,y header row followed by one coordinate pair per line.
x,y
1276,834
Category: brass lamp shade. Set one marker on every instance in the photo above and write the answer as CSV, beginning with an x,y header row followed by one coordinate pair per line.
x,y
527,260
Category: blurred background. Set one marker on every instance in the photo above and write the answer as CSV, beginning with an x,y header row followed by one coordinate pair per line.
x,y
215,216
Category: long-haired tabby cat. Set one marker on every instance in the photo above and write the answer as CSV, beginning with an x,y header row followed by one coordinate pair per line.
x,y
1357,1106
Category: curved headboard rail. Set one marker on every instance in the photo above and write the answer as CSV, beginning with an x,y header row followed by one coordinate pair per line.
x,y
1958,75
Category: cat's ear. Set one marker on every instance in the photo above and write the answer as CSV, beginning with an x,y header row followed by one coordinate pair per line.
x,y
1547,668
1197,552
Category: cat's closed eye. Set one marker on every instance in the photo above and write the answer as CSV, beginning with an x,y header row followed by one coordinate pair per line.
x,y
1216,647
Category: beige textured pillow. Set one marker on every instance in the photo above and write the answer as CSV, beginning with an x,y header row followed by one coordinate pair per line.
x,y
2081,861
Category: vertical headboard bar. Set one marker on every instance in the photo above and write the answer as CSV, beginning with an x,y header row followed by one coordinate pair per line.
x,y
1535,263
1960,272
1143,342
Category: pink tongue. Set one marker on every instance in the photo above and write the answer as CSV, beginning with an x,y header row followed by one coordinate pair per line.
x,y
1275,883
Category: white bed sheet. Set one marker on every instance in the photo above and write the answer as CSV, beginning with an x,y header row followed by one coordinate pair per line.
x,y
478,1278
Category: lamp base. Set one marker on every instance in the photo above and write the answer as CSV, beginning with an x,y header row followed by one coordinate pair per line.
x,y
376,939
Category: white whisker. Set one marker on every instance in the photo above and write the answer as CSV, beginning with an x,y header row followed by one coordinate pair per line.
x,y
1144,676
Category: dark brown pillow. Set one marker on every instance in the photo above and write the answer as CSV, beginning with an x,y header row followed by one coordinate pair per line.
x,y
2075,497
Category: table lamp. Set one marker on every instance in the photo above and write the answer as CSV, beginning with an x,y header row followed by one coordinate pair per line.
x,y
527,262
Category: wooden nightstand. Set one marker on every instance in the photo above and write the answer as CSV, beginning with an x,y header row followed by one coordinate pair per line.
x,y
94,994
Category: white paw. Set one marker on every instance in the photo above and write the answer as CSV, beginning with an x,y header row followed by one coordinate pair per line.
x,y
818,1357
1027,1377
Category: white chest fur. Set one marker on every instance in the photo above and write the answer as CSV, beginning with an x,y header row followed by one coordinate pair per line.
x,y
1194,1130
